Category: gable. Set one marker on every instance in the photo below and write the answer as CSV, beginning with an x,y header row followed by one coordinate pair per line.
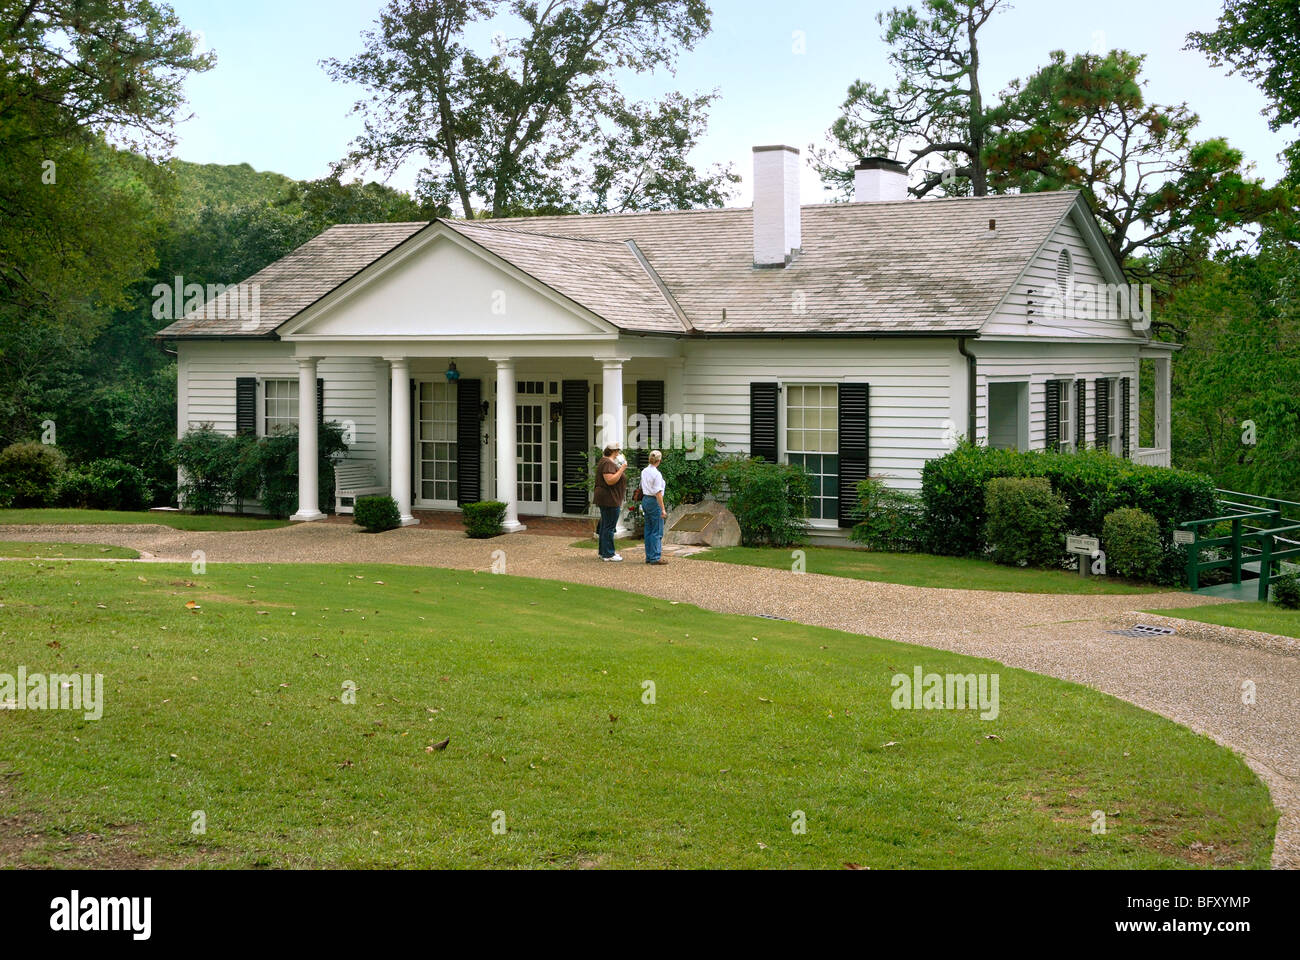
x,y
441,286
1035,307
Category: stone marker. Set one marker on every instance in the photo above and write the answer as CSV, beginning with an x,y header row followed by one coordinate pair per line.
x,y
708,524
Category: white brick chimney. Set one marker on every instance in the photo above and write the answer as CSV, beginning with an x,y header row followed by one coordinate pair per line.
x,y
879,180
776,205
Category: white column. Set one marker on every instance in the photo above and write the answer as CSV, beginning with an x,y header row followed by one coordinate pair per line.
x,y
308,455
1163,395
399,445
507,469
613,425
612,422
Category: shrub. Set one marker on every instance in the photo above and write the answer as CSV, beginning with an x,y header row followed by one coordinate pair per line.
x,y
769,501
279,469
376,513
208,462
1026,521
29,474
891,519
689,471
1093,484
106,484
483,519
1286,592
1131,539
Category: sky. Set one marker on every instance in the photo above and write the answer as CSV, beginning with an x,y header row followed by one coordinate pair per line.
x,y
781,70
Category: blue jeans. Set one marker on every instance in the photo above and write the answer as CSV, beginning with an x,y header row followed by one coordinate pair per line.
x,y
605,529
654,529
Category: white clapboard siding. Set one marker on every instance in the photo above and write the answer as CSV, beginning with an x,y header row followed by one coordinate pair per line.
x,y
207,374
1037,363
1031,292
917,391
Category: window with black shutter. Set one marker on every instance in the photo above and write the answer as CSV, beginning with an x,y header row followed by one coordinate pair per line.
x,y
763,400
573,443
855,444
1081,414
245,405
1124,411
650,406
1101,429
1053,415
469,452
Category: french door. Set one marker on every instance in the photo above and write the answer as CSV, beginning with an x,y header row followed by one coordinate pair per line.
x,y
435,447
530,468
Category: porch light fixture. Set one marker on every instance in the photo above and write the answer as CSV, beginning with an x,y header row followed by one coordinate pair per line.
x,y
484,407
452,373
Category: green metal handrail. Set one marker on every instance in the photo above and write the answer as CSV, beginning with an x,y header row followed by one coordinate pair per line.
x,y
1243,537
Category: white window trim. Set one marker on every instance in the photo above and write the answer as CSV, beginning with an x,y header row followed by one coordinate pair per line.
x,y
263,415
783,452
1114,415
1066,422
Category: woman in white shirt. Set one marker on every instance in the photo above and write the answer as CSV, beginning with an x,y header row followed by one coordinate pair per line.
x,y
652,503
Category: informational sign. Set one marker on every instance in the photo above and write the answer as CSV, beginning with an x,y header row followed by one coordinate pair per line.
x,y
1088,545
1184,537
692,522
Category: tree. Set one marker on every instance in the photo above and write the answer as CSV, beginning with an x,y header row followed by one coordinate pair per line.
x,y
78,214
513,128
1162,197
1260,39
936,110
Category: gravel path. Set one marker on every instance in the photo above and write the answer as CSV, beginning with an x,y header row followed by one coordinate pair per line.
x,y
1196,682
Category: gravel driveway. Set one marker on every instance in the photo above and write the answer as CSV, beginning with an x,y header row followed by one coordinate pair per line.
x,y
1196,682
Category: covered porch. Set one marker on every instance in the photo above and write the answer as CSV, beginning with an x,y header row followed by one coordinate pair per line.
x,y
441,416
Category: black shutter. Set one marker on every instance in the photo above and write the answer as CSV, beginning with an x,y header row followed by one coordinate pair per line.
x,y
1053,415
1102,426
469,449
573,446
246,405
855,447
650,404
1081,414
763,421
320,400
1124,412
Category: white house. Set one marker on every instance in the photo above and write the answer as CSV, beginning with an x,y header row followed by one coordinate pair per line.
x,y
852,338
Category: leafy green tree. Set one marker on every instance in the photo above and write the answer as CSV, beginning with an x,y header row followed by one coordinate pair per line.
x,y
1162,197
936,110
527,127
1260,39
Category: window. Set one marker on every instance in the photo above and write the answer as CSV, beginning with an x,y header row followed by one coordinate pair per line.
x,y
1066,416
812,441
437,446
1113,417
1064,270
281,404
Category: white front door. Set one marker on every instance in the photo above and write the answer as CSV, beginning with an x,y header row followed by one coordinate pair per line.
x,y
530,446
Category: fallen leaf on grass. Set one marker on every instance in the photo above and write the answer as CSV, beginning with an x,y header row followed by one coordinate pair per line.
x,y
442,745
891,743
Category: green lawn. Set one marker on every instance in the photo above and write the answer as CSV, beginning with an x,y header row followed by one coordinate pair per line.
x,y
20,548
923,570
179,521
236,708
1265,617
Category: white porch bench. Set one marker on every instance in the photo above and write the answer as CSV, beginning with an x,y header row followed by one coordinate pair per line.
x,y
352,479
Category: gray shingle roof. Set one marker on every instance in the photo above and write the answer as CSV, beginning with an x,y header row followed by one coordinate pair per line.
x,y
930,266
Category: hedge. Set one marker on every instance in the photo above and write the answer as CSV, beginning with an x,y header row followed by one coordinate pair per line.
x,y
1026,521
1093,483
376,514
483,519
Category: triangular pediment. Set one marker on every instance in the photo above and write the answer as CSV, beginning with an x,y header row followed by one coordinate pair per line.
x,y
439,285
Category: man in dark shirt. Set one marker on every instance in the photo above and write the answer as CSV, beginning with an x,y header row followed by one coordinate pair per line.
x,y
611,487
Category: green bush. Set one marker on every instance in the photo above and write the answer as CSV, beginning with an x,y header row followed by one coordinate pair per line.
x,y
279,469
220,470
1093,484
1286,592
483,519
1131,539
891,519
106,484
690,473
769,501
30,474
376,513
1026,522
